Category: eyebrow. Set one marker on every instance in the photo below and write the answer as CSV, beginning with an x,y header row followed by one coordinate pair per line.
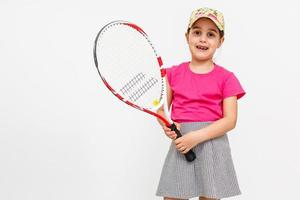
x,y
211,29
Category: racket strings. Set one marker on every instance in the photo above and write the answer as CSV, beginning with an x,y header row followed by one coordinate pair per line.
x,y
134,81
143,89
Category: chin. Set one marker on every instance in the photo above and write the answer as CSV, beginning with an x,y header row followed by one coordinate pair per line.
x,y
202,58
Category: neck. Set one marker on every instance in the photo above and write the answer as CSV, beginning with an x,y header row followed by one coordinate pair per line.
x,y
201,65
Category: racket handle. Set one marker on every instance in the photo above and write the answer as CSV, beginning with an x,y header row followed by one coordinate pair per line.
x,y
190,155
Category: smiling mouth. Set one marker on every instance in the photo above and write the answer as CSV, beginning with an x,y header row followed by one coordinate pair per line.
x,y
201,47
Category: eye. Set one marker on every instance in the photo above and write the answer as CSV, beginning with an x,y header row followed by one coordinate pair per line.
x,y
196,32
211,34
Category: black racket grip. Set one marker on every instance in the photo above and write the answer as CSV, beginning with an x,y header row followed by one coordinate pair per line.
x,y
190,155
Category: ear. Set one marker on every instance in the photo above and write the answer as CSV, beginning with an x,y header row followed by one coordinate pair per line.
x,y
187,37
221,42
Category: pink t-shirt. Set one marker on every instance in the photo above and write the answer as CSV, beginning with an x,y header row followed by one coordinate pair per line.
x,y
198,97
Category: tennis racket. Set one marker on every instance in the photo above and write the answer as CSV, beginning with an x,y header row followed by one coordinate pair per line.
x,y
130,68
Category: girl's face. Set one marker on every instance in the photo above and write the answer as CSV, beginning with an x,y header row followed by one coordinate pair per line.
x,y
203,39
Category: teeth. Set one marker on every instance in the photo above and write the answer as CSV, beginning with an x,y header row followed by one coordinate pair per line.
x,y
202,48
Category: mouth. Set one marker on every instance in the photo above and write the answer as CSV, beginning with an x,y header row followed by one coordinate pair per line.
x,y
203,48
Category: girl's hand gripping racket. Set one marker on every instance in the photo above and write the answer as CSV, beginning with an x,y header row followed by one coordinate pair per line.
x,y
131,69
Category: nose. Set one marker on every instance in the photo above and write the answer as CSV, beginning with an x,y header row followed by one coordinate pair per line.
x,y
202,38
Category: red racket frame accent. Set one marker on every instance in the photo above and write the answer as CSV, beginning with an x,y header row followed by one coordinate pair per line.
x,y
136,27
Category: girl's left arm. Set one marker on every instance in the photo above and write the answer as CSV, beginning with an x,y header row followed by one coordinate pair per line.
x,y
216,129
221,126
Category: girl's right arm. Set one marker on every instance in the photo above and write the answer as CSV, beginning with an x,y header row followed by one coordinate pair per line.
x,y
160,111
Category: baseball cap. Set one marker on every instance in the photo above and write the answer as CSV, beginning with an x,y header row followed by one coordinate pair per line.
x,y
215,15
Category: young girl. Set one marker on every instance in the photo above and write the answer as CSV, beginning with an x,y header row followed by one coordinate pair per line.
x,y
204,107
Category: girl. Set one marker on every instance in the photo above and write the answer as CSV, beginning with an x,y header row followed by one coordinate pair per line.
x,y
204,107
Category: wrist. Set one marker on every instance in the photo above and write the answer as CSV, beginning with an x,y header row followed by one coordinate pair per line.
x,y
199,136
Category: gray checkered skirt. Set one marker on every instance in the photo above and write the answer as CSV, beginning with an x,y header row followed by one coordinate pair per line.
x,y
210,175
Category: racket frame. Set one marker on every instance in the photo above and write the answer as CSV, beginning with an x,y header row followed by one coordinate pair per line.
x,y
163,101
190,155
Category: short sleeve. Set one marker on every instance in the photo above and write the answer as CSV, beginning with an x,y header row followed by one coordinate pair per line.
x,y
169,72
232,87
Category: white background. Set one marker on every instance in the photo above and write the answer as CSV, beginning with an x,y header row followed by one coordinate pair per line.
x,y
64,136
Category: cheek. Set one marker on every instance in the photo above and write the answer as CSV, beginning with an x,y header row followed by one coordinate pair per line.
x,y
215,43
188,41
192,40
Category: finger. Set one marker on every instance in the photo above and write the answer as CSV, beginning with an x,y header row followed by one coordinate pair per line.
x,y
179,146
182,149
185,151
177,141
165,128
171,135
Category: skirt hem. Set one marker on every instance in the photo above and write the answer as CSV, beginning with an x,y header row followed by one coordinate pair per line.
x,y
198,195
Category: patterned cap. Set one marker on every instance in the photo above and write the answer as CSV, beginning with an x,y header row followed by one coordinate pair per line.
x,y
214,15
